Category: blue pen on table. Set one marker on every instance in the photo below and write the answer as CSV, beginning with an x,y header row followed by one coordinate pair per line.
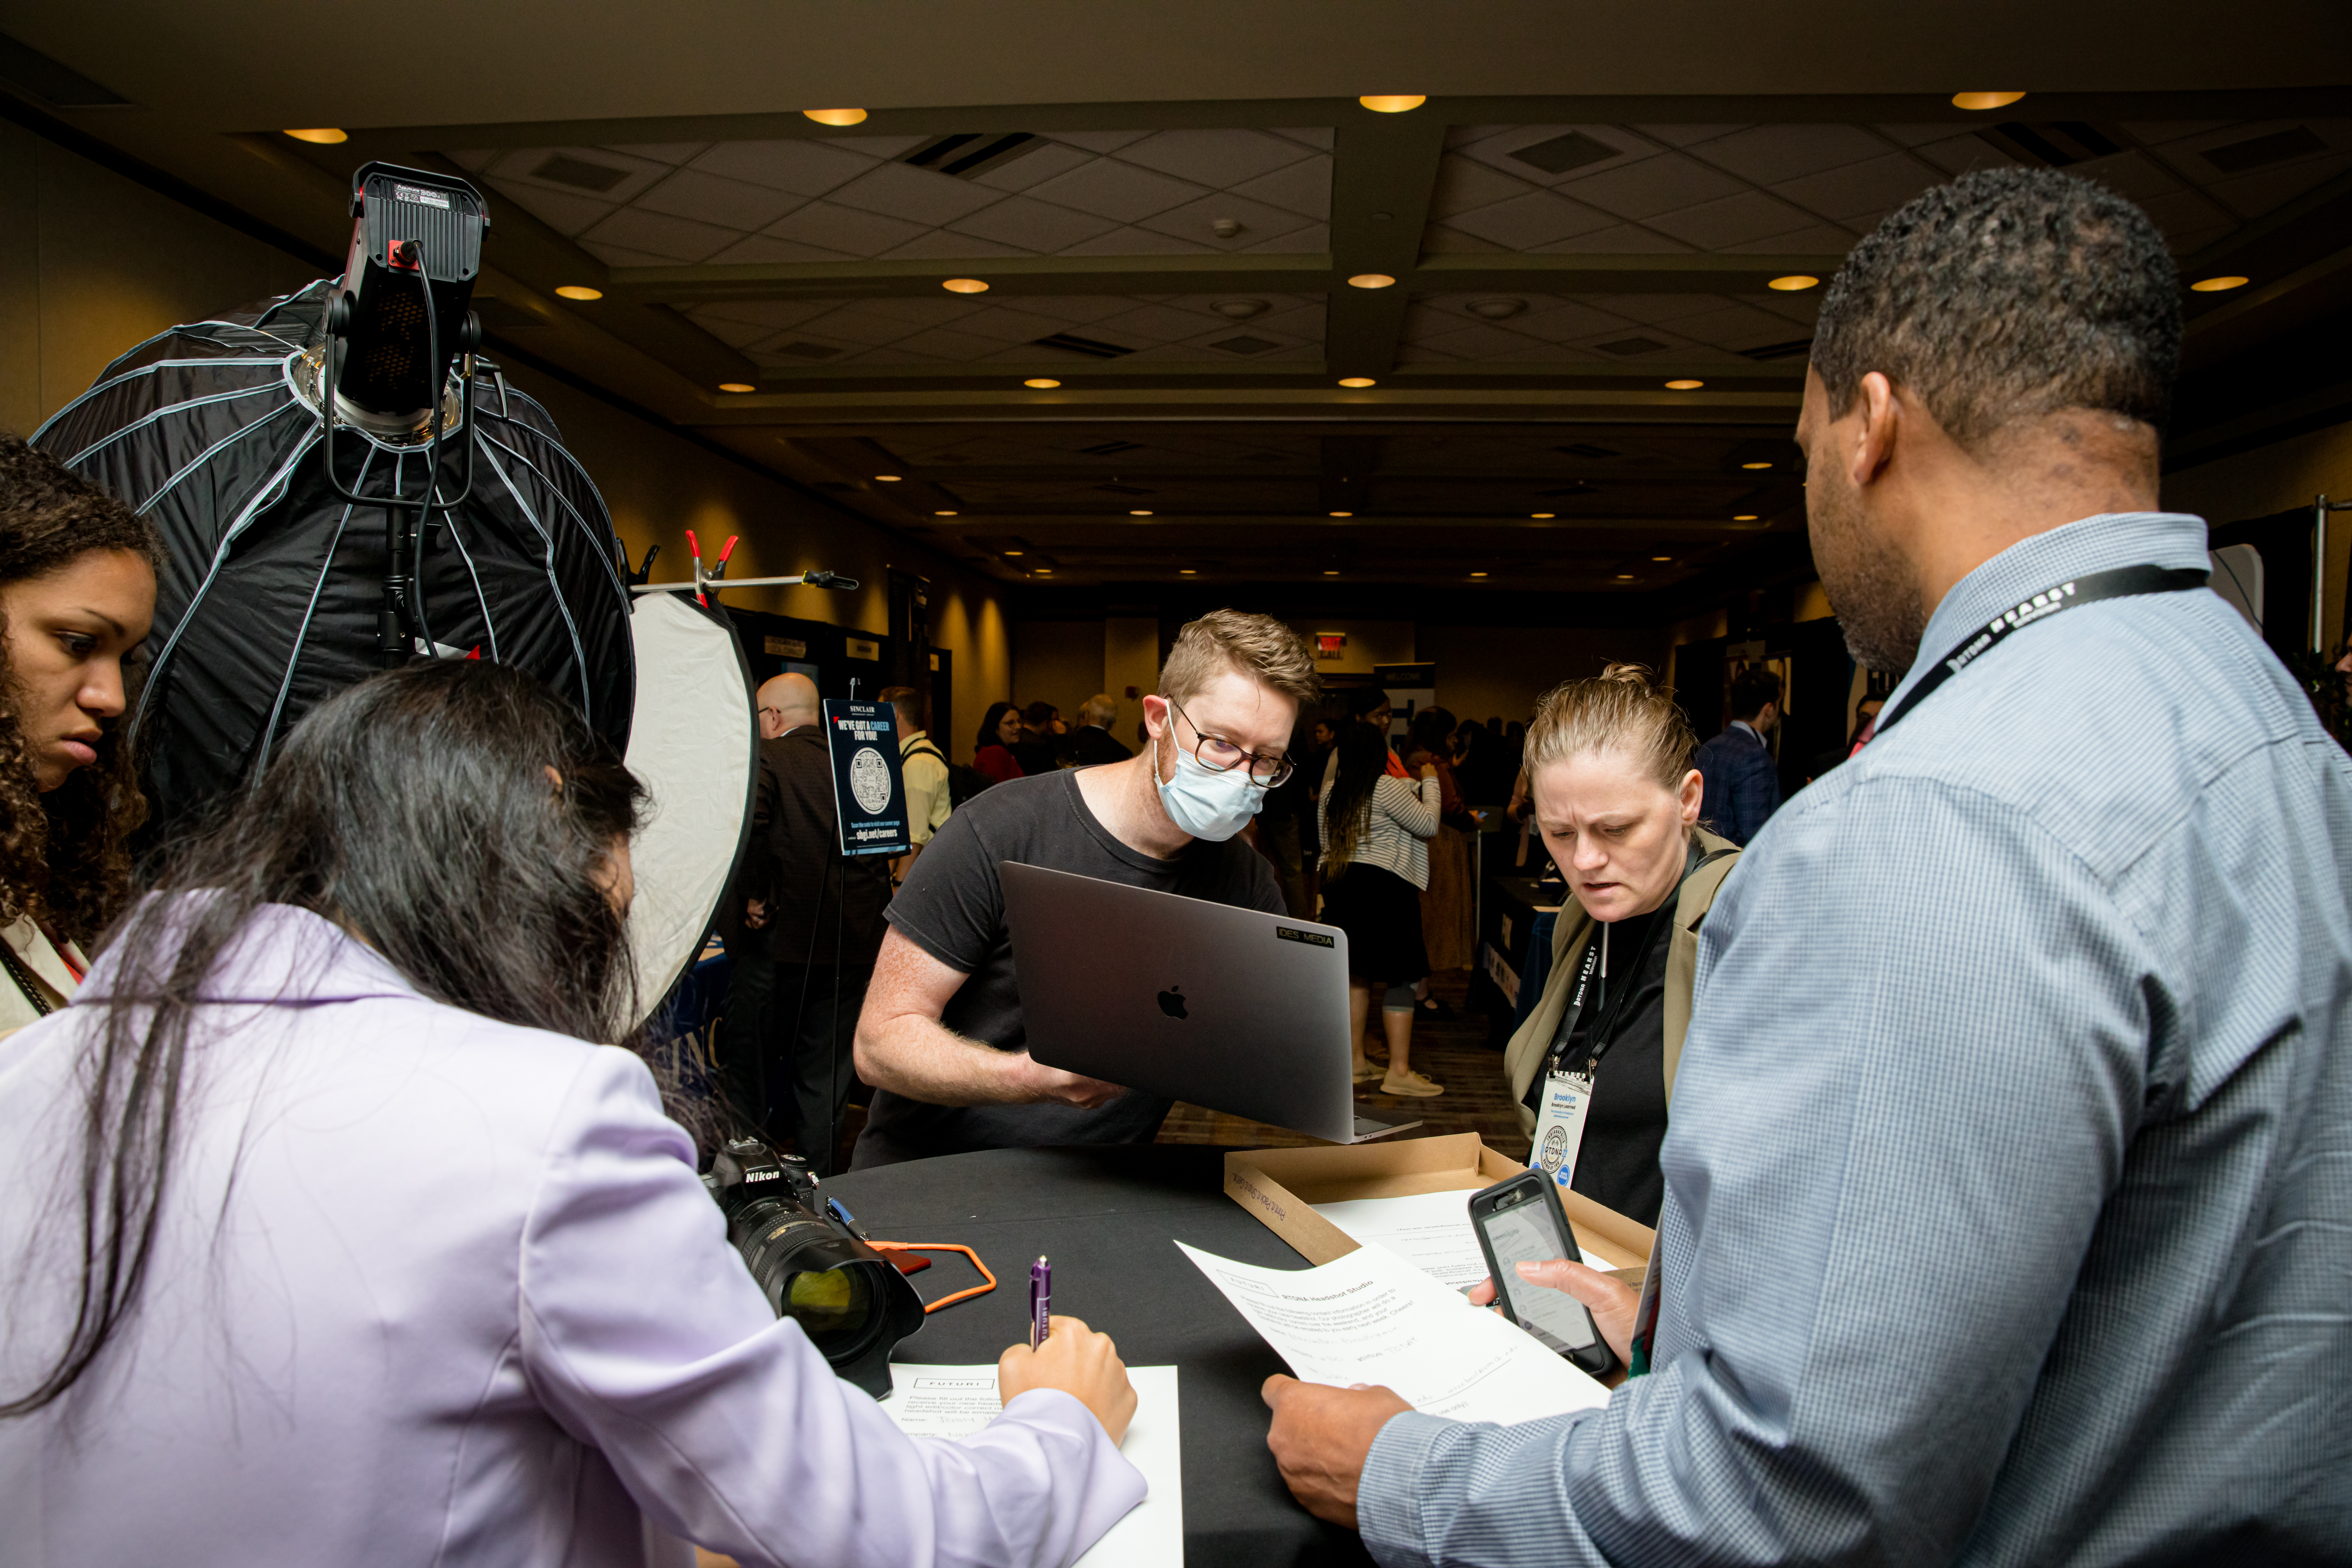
x,y
1041,1301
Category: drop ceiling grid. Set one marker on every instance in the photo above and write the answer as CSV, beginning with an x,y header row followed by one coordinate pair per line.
x,y
848,198
1574,328
968,330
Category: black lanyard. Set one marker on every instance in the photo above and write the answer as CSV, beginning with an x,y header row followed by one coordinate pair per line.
x,y
2123,583
1604,1029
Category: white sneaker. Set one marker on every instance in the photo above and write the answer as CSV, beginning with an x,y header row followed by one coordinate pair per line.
x,y
1411,1084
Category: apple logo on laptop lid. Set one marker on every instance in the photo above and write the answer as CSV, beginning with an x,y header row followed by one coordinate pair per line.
x,y
1172,1002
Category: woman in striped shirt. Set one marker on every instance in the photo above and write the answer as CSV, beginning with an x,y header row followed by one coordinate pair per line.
x,y
1376,830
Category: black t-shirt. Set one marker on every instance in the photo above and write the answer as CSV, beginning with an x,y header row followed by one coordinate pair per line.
x,y
952,907
1617,1165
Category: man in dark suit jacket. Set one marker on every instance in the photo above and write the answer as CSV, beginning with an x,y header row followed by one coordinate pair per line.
x,y
792,1005
1093,744
1743,781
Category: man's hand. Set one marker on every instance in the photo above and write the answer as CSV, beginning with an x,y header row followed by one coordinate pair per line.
x,y
755,913
1068,1088
1081,1363
1320,1438
1613,1301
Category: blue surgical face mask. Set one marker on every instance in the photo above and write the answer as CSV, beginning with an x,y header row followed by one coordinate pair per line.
x,y
1204,803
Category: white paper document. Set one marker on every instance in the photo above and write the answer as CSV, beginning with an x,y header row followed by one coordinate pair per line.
x,y
1429,1230
1372,1317
957,1400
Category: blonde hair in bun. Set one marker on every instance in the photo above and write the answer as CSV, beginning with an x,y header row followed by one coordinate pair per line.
x,y
1623,709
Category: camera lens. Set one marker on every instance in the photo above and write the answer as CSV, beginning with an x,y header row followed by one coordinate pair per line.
x,y
834,1307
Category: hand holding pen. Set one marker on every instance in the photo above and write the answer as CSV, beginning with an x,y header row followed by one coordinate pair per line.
x,y
1064,1353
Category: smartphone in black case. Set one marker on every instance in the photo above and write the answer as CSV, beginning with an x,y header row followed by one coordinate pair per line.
x,y
1520,1221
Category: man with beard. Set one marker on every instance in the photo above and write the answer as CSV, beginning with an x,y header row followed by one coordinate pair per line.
x,y
2031,1246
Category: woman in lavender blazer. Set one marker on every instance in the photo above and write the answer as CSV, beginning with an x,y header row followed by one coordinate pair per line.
x,y
325,1236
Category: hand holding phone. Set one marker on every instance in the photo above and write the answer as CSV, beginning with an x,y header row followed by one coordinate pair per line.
x,y
1520,1221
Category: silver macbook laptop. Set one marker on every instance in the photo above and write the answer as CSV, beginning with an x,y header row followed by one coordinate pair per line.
x,y
1235,1010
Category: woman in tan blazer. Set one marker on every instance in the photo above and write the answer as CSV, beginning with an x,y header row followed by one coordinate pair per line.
x,y
1617,802
77,593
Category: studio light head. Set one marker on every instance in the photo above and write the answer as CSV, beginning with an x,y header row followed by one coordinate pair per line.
x,y
407,224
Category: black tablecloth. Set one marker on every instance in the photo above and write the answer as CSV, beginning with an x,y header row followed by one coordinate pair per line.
x,y
1108,1218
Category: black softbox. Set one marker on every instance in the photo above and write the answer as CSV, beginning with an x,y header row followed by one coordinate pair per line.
x,y
271,598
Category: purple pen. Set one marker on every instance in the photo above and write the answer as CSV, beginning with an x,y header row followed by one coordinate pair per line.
x,y
1041,1301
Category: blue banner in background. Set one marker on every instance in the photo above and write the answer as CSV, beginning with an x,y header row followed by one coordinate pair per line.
x,y
869,799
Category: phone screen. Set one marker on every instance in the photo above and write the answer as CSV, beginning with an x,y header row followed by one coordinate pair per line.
x,y
1526,1235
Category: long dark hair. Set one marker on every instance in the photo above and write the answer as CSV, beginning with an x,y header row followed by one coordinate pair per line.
x,y
65,857
1363,753
416,811
996,712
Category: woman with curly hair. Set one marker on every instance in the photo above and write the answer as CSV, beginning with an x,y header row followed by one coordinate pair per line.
x,y
77,593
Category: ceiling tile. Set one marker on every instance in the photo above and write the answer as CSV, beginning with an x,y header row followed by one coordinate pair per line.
x,y
1732,220
1135,242
762,249
1259,223
1217,159
1914,136
1663,183
945,244
1523,222
1465,184
803,168
622,255
1766,154
771,314
1872,186
1014,324
1440,240
2258,193
1819,239
845,229
1034,167
730,203
562,211
1100,140
1033,224
1073,308
1311,135
1302,188
1651,309
948,343
519,166
1678,135
1154,325
679,238
1555,320
1958,154
1496,150
1112,189
862,328
875,147
2158,133
474,159
1475,341
1308,241
918,195
1734,326
1625,238
734,334
672,153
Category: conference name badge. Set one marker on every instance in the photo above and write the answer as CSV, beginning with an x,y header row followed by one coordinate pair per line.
x,y
1560,1125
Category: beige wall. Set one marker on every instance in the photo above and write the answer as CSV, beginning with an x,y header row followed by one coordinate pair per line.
x,y
2274,478
1060,662
1369,643
1130,658
93,264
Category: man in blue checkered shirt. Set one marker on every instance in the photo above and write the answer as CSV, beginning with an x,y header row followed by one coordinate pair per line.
x,y
2036,1245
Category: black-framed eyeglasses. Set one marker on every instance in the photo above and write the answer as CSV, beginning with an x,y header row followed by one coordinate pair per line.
x,y
1220,755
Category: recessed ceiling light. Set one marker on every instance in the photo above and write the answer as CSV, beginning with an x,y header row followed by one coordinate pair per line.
x,y
1392,103
1793,281
1186,572
1139,514
1370,280
1985,100
737,387
1331,573
1357,381
1684,385
578,291
1500,309
1478,574
888,478
1240,309
1755,465
835,116
324,136
1624,576
1539,516
1662,558
1343,514
943,514
1042,383
964,286
1744,517
2217,285
1016,552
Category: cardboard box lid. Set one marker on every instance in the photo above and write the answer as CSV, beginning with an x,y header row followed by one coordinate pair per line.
x,y
1280,1187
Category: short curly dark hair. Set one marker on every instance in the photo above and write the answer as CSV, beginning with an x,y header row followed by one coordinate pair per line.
x,y
2007,295
64,856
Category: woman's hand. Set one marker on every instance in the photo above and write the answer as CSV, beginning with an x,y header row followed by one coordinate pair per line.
x,y
1612,1301
1080,1363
